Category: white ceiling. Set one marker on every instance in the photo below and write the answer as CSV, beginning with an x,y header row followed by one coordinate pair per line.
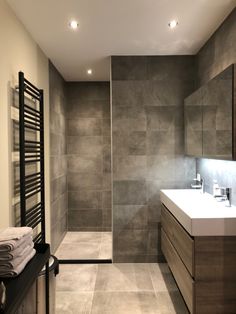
x,y
117,27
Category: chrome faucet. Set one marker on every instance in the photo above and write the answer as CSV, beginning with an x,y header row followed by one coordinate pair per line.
x,y
228,192
224,195
200,183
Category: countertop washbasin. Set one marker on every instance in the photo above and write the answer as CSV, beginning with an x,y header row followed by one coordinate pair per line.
x,y
200,214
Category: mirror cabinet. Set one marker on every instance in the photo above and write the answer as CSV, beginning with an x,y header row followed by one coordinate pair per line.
x,y
210,118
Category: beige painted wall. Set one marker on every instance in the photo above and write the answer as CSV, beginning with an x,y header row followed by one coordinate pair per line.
x,y
18,52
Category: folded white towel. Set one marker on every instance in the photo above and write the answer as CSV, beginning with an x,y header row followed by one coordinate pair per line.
x,y
15,233
15,272
4,265
10,245
21,251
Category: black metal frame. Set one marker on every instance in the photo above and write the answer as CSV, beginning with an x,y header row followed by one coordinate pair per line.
x,y
85,261
31,152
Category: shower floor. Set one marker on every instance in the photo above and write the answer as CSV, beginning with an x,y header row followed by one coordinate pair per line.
x,y
85,245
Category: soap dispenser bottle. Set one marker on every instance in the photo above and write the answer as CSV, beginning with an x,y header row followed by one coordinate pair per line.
x,y
216,189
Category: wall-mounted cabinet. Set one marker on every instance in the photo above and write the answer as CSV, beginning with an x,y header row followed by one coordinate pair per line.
x,y
210,118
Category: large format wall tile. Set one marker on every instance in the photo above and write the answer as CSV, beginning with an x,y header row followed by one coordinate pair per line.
x,y
85,126
89,156
58,158
84,145
85,220
129,192
147,148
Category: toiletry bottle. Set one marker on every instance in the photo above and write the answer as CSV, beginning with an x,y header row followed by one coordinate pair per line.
x,y
216,189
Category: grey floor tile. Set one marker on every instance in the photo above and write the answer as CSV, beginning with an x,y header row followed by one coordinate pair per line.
x,y
85,245
171,303
123,277
124,303
106,246
74,277
78,237
83,250
162,278
73,302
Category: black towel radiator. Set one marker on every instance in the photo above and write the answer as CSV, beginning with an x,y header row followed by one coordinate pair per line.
x,y
31,119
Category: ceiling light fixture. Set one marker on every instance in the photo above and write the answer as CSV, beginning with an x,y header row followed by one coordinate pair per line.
x,y
73,24
89,71
173,23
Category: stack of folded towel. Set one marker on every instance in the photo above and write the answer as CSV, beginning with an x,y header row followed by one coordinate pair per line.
x,y
16,250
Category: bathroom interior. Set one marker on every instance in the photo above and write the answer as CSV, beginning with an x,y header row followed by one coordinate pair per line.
x,y
139,149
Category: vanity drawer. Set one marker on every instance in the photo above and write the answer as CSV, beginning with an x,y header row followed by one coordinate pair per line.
x,y
181,274
180,239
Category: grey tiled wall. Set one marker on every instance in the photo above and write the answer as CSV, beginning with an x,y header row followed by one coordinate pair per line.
x,y
148,148
89,156
217,54
58,162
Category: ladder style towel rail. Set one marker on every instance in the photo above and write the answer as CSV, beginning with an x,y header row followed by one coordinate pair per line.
x,y
31,128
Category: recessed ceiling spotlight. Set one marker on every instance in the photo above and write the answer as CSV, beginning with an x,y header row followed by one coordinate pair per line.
x,y
89,71
173,23
73,24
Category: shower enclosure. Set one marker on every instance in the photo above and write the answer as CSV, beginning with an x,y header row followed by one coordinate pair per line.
x,y
80,140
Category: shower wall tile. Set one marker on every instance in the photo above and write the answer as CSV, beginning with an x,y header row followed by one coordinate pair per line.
x,y
58,187
91,199
106,199
137,143
85,220
84,145
107,219
217,54
129,167
130,217
89,156
59,208
129,192
58,158
85,126
85,164
78,181
83,109
147,148
130,242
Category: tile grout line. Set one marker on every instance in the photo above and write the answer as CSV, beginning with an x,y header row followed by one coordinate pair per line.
x,y
94,290
149,269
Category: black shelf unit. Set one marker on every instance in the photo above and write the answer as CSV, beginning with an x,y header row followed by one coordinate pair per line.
x,y
31,118
17,288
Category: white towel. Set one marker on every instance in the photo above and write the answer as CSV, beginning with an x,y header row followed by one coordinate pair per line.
x,y
19,252
10,245
19,268
5,265
15,233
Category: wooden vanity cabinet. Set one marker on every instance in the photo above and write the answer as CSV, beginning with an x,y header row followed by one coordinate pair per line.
x,y
204,267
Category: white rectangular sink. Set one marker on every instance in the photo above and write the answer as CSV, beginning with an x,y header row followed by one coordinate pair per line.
x,y
200,214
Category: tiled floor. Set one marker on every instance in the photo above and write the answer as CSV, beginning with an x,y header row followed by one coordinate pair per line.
x,y
85,245
117,289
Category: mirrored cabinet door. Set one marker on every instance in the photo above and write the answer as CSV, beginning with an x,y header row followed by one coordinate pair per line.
x,y
217,116
209,122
